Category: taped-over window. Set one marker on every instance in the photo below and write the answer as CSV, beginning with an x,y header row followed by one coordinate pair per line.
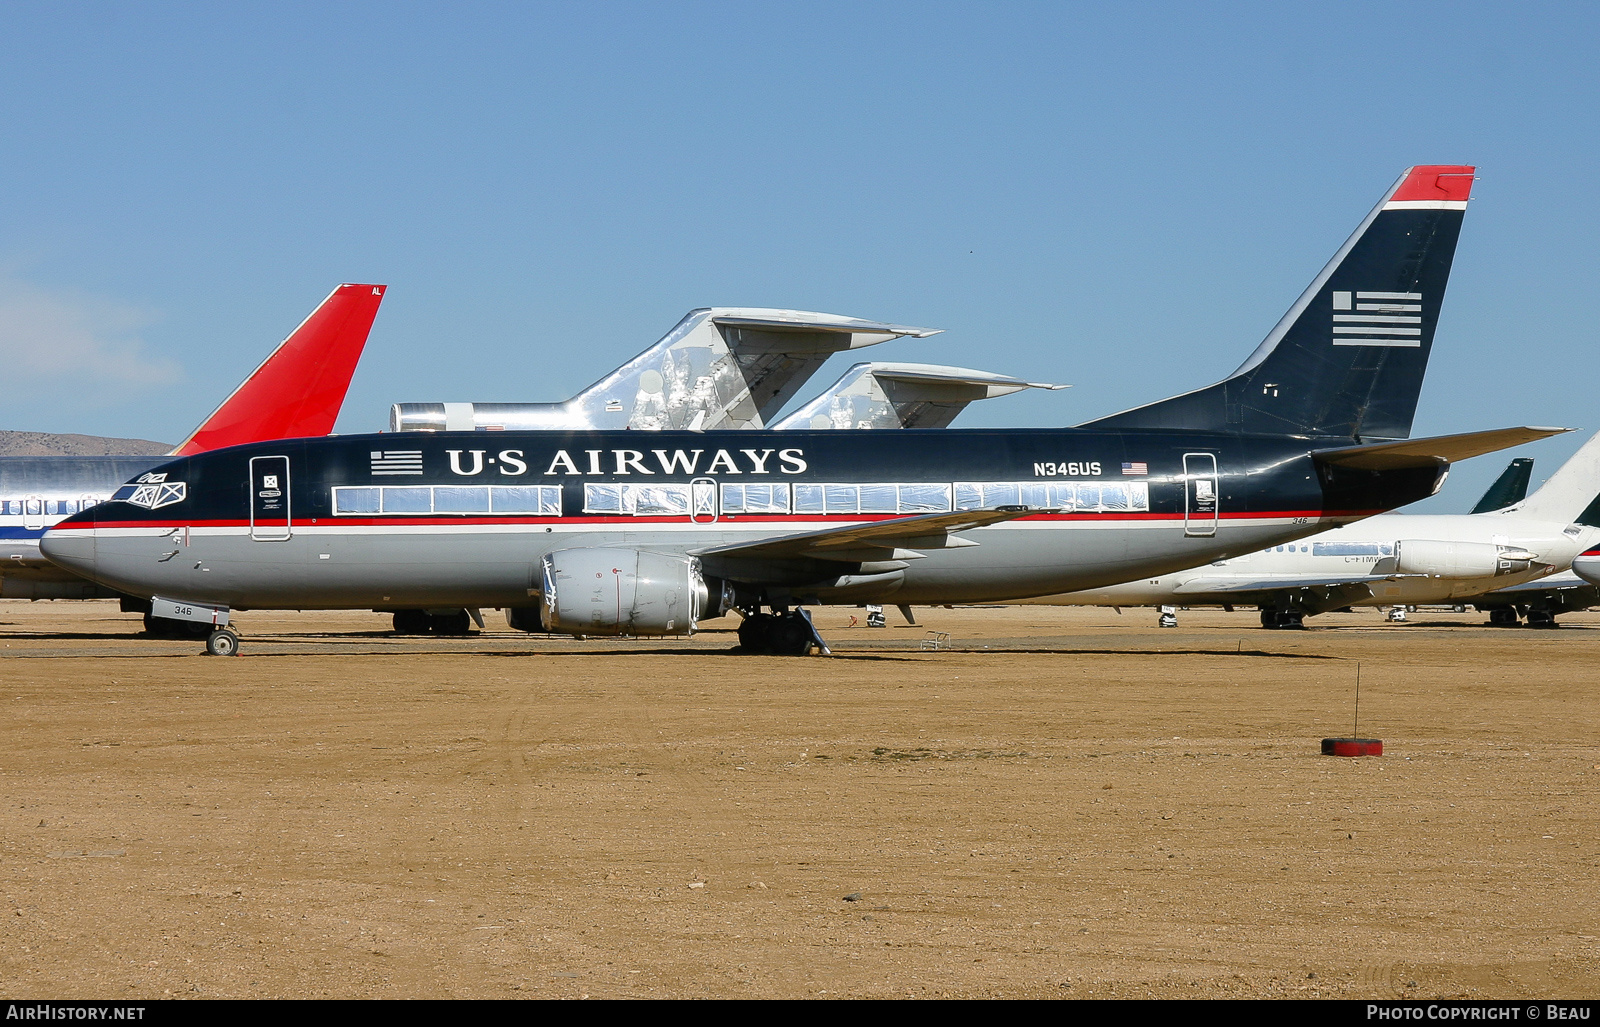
x,y
461,499
638,500
407,500
753,499
355,501
540,500
448,500
924,498
1351,549
1067,497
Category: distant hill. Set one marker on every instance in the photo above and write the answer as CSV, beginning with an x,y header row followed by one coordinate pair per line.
x,y
38,443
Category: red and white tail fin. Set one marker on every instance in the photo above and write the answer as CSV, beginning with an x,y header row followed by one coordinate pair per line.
x,y
298,390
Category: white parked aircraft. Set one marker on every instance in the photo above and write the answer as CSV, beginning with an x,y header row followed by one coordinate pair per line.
x,y
1393,559
885,395
720,368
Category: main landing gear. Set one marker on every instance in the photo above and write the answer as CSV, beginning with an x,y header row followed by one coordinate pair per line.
x,y
167,627
1276,620
423,622
789,633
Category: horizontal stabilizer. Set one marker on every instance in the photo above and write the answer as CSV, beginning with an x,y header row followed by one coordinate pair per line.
x,y
805,321
1381,456
926,531
296,393
885,395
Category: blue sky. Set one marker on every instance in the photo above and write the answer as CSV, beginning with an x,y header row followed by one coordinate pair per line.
x,y
1120,196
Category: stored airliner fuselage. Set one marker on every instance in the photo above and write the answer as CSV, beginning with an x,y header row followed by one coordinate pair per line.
x,y
445,521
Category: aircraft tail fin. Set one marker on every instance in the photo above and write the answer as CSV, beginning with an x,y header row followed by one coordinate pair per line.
x,y
1348,358
719,368
298,390
1571,493
1510,487
884,395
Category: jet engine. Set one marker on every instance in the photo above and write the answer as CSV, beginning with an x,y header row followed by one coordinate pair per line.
x,y
626,592
1459,559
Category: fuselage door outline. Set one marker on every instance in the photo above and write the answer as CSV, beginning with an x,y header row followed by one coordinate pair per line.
x,y
703,500
1200,494
270,515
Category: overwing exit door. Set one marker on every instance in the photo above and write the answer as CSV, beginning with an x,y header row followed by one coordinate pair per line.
x,y
1200,494
270,518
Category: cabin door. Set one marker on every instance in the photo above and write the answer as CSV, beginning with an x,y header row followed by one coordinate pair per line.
x,y
269,499
1200,494
703,500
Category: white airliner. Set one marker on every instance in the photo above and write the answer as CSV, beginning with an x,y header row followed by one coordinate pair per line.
x,y
720,368
1393,559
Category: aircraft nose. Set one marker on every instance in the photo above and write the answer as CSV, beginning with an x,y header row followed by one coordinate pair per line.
x,y
72,548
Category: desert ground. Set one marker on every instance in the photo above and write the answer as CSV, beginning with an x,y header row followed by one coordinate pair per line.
x,y
1056,803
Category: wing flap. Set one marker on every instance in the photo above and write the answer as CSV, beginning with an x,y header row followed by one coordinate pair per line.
x,y
924,531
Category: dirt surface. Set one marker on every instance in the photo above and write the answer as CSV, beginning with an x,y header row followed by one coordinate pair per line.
x,y
1067,803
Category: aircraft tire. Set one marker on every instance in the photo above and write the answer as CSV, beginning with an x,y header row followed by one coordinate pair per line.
x,y
412,622
1269,619
754,632
1542,619
458,623
1504,617
790,636
222,642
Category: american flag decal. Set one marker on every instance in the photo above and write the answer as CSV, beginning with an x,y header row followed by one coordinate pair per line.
x,y
1139,467
397,461
1377,319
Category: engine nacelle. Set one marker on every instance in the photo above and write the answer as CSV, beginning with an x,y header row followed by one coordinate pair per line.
x,y
623,592
1458,559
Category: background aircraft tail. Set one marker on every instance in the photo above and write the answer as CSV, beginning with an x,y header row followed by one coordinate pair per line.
x,y
1510,487
298,390
719,368
1348,358
1572,494
883,395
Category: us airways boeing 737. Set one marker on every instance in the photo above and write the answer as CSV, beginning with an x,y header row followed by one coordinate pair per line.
x,y
296,391
608,532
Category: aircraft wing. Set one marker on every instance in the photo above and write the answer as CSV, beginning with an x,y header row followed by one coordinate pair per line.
x,y
1559,593
1330,593
924,531
1554,583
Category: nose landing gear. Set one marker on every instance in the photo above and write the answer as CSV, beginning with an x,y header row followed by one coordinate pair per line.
x,y
222,642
